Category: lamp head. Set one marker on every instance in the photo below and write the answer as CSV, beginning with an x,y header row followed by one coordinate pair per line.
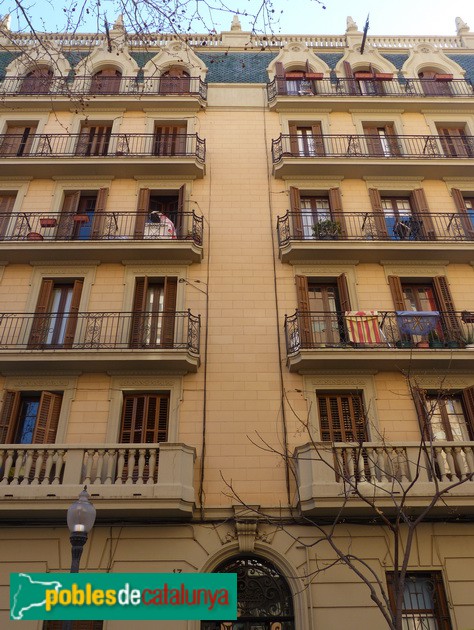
x,y
81,514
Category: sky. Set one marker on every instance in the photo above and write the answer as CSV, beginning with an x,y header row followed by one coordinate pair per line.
x,y
403,17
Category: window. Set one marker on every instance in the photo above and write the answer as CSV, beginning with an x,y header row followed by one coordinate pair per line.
x,y
175,81
94,139
455,141
160,213
450,416
30,417
264,600
82,215
55,320
321,306
17,140
106,81
154,310
306,140
424,601
431,86
401,217
37,82
7,202
341,417
170,140
381,139
317,216
366,84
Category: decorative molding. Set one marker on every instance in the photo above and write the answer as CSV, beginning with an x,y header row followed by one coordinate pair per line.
x,y
246,535
441,381
64,266
82,178
40,382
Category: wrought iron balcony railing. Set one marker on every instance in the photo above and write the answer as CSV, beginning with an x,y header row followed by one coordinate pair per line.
x,y
370,226
360,146
100,226
308,330
146,331
104,86
388,88
82,146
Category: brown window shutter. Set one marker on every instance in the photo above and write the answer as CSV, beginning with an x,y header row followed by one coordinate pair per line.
x,y
341,418
280,78
142,212
169,312
9,417
343,291
99,212
295,208
468,404
137,324
293,129
421,211
144,419
318,139
304,318
17,140
66,221
352,85
372,139
419,400
7,202
379,216
463,213
446,304
47,419
392,139
180,225
396,290
41,320
335,203
170,140
73,312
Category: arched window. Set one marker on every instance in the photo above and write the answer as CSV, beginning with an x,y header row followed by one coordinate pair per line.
x,y
264,599
434,83
106,81
175,81
37,81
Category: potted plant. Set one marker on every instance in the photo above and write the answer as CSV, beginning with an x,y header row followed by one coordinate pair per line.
x,y
468,339
327,229
434,340
81,218
48,222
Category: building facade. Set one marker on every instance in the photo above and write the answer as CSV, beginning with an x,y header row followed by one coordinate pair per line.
x,y
236,285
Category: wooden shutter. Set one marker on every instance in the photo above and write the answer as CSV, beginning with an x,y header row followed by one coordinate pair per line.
x,y
39,327
169,312
170,140
37,82
419,400
454,142
106,81
137,324
99,213
379,216
142,212
280,78
9,417
335,203
47,419
181,219
421,211
468,405
66,218
295,208
73,312
318,139
463,213
7,202
396,290
446,305
17,140
341,418
392,139
293,129
144,419
373,141
352,86
304,317
343,292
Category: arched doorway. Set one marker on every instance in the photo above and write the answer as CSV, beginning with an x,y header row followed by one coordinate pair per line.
x,y
264,600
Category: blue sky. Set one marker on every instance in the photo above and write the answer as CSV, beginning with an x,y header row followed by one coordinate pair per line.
x,y
403,17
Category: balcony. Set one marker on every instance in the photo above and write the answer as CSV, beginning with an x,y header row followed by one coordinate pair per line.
x,y
166,341
300,93
377,340
189,93
372,237
119,154
101,235
359,155
126,481
328,472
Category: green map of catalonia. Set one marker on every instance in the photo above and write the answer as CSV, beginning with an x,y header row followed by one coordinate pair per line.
x,y
33,594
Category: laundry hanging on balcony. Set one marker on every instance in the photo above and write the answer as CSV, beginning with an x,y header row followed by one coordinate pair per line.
x,y
363,327
417,322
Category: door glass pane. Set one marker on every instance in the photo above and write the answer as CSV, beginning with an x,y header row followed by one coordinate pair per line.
x,y
154,305
60,308
27,420
326,323
315,210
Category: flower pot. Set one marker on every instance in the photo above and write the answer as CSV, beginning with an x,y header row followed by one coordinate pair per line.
x,y
423,344
294,75
34,236
452,344
47,223
363,75
436,344
81,218
404,343
444,77
314,76
383,76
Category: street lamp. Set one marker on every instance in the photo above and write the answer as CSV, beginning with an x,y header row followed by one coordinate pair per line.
x,y
80,520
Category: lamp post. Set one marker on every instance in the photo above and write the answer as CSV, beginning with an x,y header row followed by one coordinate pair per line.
x,y
80,520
